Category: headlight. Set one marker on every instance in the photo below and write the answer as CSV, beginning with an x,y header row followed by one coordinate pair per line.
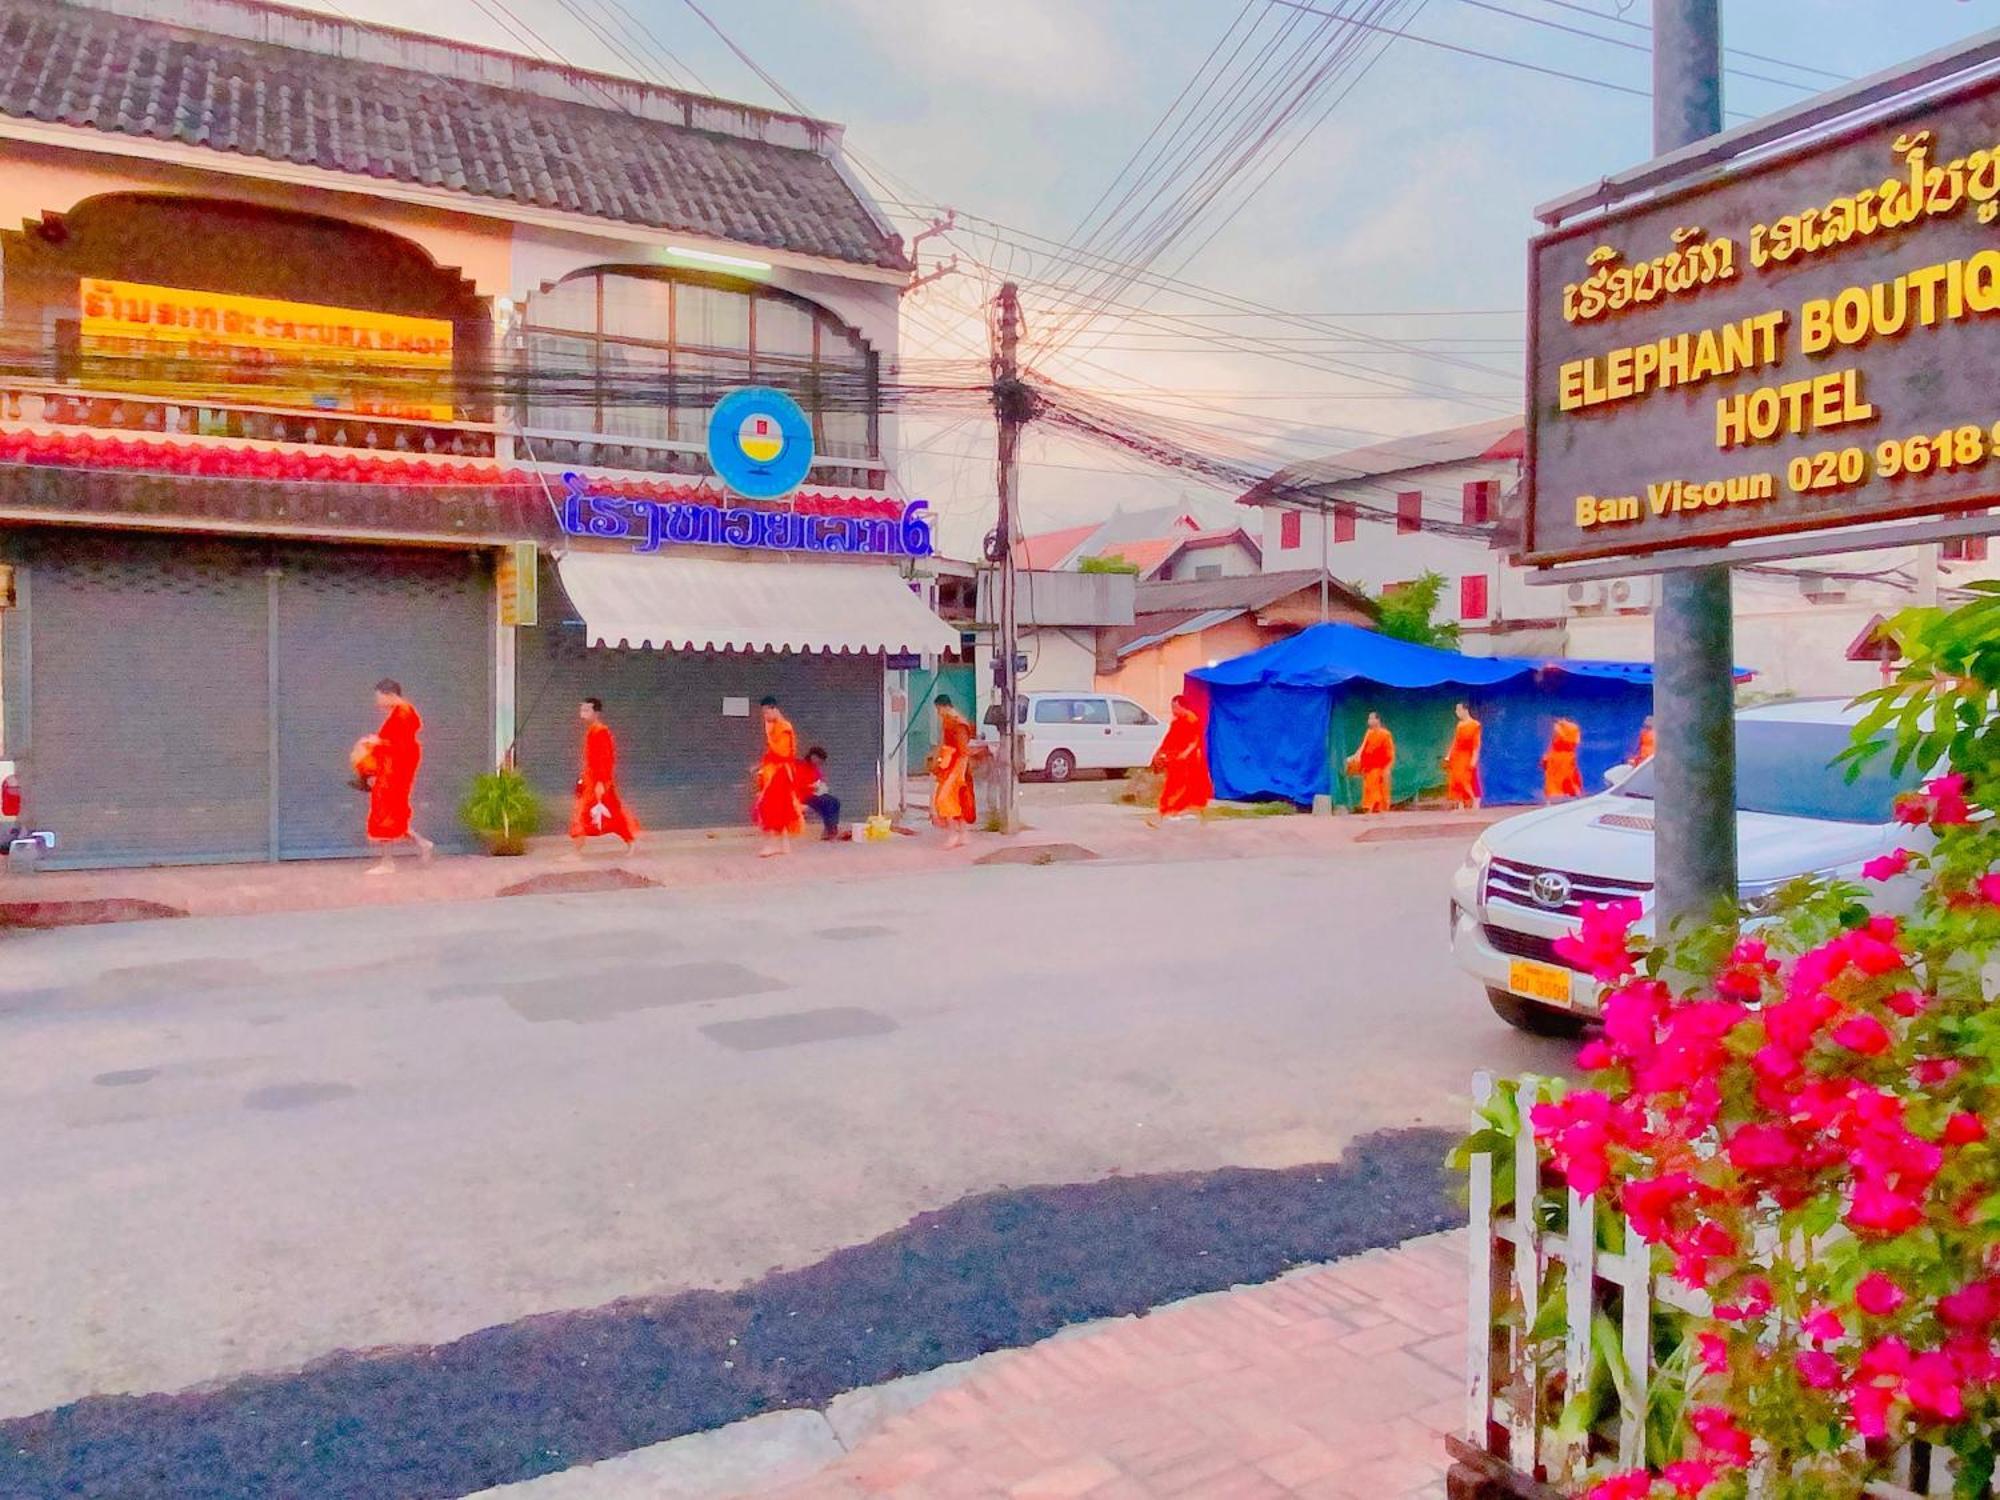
x,y
1480,855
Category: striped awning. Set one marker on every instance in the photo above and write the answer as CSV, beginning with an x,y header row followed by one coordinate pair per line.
x,y
715,604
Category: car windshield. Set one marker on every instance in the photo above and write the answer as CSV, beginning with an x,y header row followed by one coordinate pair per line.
x,y
1787,768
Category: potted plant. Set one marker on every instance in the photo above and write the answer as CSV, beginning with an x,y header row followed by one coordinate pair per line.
x,y
503,810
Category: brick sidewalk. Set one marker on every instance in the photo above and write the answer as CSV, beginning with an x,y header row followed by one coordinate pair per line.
x,y
1339,1381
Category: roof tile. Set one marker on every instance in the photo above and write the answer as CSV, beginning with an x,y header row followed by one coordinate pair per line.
x,y
130,76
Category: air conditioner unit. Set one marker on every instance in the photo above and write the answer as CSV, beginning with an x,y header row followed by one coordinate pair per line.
x,y
1587,596
1821,589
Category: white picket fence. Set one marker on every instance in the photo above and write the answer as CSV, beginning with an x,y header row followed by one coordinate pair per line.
x,y
1506,1373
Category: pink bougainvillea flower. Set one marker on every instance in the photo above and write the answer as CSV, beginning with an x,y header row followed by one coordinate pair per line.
x,y
1964,1129
1882,1210
1974,1307
1714,1349
1933,1071
1633,1484
1886,866
1932,1385
1819,1370
1754,1302
1775,1063
1577,1131
1948,804
1878,1295
1823,1325
1795,1024
1989,888
1913,809
1869,1407
1715,1427
1762,1148
1650,1202
1888,1356
1976,1360
1602,946
1863,1034
1689,1476
1907,1003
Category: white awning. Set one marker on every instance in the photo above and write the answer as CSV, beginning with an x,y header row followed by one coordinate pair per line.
x,y
711,604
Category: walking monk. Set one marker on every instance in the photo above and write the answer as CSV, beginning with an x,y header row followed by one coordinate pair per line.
x,y
1560,776
779,808
1185,785
598,808
1461,762
388,759
953,805
1372,763
1646,741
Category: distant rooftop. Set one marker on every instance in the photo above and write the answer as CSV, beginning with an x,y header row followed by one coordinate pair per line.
x,y
301,87
1498,440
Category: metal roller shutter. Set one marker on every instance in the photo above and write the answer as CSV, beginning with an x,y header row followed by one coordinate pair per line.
x,y
681,763
148,730
345,619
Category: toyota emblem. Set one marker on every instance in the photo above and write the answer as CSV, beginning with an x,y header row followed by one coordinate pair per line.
x,y
1550,888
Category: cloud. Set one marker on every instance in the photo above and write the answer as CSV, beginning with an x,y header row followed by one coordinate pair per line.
x,y
1039,49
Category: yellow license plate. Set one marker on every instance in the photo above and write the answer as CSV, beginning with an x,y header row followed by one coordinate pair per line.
x,y
1543,982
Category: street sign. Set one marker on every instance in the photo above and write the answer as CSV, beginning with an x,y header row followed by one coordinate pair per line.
x,y
759,442
517,579
1799,344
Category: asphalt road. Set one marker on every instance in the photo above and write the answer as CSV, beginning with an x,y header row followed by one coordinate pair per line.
x,y
240,1144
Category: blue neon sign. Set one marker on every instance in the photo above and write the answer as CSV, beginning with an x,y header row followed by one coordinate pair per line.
x,y
651,524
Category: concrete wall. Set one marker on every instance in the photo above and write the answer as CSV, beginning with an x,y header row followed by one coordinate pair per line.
x,y
1059,659
1154,675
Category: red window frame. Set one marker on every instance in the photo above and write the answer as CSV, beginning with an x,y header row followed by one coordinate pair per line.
x,y
1964,549
1289,529
1477,499
1344,519
1409,511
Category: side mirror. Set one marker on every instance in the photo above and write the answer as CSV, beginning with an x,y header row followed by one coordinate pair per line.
x,y
1618,775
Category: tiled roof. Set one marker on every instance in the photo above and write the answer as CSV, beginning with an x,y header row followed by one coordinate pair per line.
x,y
1249,591
1495,441
428,125
1051,549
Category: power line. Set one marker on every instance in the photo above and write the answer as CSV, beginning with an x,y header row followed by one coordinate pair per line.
x,y
1615,41
1622,20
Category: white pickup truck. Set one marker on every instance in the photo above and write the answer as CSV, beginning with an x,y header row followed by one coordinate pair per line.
x,y
1526,880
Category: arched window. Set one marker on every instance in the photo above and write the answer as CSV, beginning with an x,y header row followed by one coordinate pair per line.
x,y
643,355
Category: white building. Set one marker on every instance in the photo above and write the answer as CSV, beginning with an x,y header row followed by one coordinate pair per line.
x,y
1383,515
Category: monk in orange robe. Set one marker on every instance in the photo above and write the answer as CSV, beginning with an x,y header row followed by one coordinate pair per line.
x,y
1560,776
1372,763
1182,761
388,760
598,809
1646,742
778,805
954,807
1461,762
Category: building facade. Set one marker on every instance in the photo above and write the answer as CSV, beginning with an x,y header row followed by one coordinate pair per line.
x,y
1384,515
337,353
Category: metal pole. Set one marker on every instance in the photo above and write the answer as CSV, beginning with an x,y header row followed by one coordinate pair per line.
x,y
1325,557
1694,826
1011,407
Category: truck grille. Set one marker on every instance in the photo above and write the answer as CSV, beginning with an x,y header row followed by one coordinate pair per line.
x,y
1515,883
1524,945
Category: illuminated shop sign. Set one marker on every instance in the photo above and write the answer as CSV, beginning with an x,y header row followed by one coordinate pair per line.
x,y
1804,343
651,524
172,341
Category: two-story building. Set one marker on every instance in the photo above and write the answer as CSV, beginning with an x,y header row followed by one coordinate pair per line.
x,y
336,352
1386,514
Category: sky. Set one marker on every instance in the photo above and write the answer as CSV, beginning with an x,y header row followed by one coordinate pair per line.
x,y
1402,216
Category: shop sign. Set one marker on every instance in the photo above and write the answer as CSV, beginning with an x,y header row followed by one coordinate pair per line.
x,y
760,443
262,350
1804,343
650,524
517,578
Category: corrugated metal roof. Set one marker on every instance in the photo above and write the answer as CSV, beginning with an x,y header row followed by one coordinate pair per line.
x,y
1497,440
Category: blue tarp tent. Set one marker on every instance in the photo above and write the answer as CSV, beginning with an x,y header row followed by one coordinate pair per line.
x,y
1283,720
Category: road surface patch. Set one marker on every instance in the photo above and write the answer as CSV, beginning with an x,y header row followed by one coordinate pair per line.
x,y
836,1023
605,995
513,1402
280,1096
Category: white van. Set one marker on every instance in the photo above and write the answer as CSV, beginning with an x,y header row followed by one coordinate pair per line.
x,y
1064,733
1526,880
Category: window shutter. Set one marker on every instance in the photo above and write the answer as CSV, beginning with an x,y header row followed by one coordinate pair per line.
x,y
1409,512
1343,521
1472,596
1478,501
1288,529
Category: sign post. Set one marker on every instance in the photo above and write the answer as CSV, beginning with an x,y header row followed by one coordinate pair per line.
x,y
1694,627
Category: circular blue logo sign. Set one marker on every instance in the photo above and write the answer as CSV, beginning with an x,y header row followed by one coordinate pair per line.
x,y
760,442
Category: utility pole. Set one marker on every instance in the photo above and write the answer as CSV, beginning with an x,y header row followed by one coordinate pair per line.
x,y
1694,649
1013,405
